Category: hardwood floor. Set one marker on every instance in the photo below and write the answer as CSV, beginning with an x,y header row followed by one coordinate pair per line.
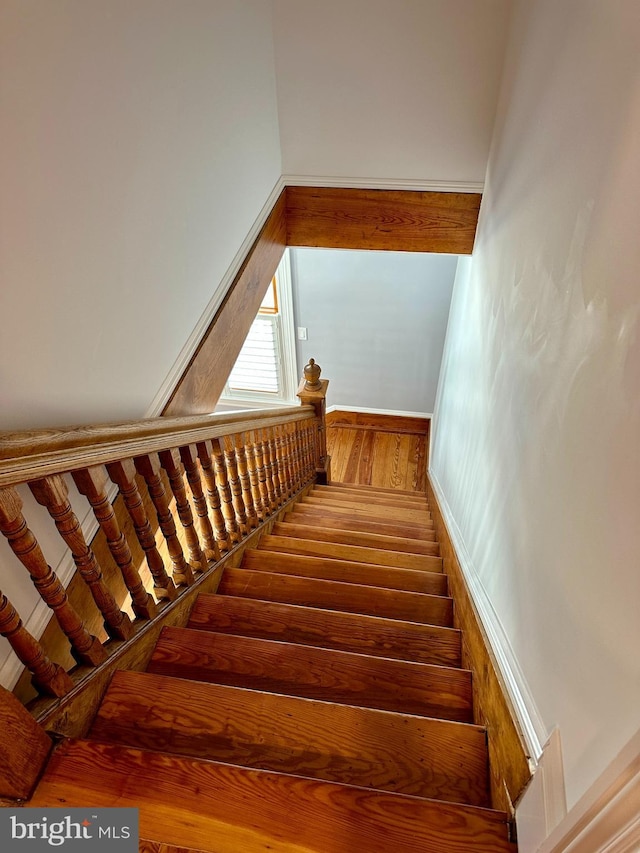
x,y
378,450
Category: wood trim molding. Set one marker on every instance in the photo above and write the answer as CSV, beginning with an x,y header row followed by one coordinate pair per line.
x,y
390,220
510,768
410,184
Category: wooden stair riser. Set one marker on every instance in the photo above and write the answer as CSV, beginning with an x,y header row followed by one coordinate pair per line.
x,y
346,571
379,490
330,629
384,513
327,594
355,553
334,494
337,743
305,515
352,537
328,675
254,810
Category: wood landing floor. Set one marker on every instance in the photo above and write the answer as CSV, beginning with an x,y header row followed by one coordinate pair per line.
x,y
378,450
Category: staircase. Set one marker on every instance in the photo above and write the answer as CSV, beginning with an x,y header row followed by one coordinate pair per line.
x,y
316,703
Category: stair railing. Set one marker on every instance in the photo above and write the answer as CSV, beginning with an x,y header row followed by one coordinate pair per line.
x,y
193,488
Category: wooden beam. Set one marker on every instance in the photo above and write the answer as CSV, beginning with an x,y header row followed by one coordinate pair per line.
x,y
201,384
24,748
394,220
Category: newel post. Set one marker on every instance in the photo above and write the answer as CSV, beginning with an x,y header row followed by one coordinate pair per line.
x,y
313,390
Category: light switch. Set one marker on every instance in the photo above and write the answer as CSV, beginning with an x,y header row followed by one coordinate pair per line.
x,y
302,333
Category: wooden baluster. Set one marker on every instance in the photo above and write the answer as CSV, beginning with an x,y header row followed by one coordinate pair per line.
x,y
231,465
205,454
47,677
283,466
286,461
297,455
189,458
275,472
149,467
170,461
245,480
311,430
258,455
92,483
52,493
222,481
123,475
24,754
313,391
268,470
85,647
261,510
290,449
304,450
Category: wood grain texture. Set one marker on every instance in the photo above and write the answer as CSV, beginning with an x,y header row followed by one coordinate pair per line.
x,y
329,629
24,748
338,743
371,492
202,382
508,759
335,495
393,220
388,461
287,814
424,532
351,537
356,553
404,515
331,594
345,571
314,673
378,423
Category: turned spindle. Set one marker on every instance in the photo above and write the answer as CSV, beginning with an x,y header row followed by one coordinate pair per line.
x,y
189,458
93,483
85,648
52,493
205,455
123,475
47,677
171,462
238,442
237,499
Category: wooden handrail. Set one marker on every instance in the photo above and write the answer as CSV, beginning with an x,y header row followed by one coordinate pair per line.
x,y
33,454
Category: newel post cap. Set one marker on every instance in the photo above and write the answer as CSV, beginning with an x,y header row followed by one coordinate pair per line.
x,y
312,376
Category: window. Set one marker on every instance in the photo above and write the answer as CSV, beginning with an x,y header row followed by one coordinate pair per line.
x,y
265,371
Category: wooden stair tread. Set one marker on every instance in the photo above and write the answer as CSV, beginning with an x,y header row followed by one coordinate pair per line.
x,y
301,514
315,673
372,635
217,808
350,537
353,597
371,500
346,571
338,743
412,516
355,553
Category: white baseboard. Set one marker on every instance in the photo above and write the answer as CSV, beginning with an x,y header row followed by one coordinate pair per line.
x,y
186,353
384,183
367,411
544,804
517,690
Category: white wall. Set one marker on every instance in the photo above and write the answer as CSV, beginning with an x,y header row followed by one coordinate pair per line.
x,y
388,89
536,443
376,324
139,143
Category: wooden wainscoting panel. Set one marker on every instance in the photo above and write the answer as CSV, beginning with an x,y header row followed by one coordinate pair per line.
x,y
509,767
394,220
200,387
